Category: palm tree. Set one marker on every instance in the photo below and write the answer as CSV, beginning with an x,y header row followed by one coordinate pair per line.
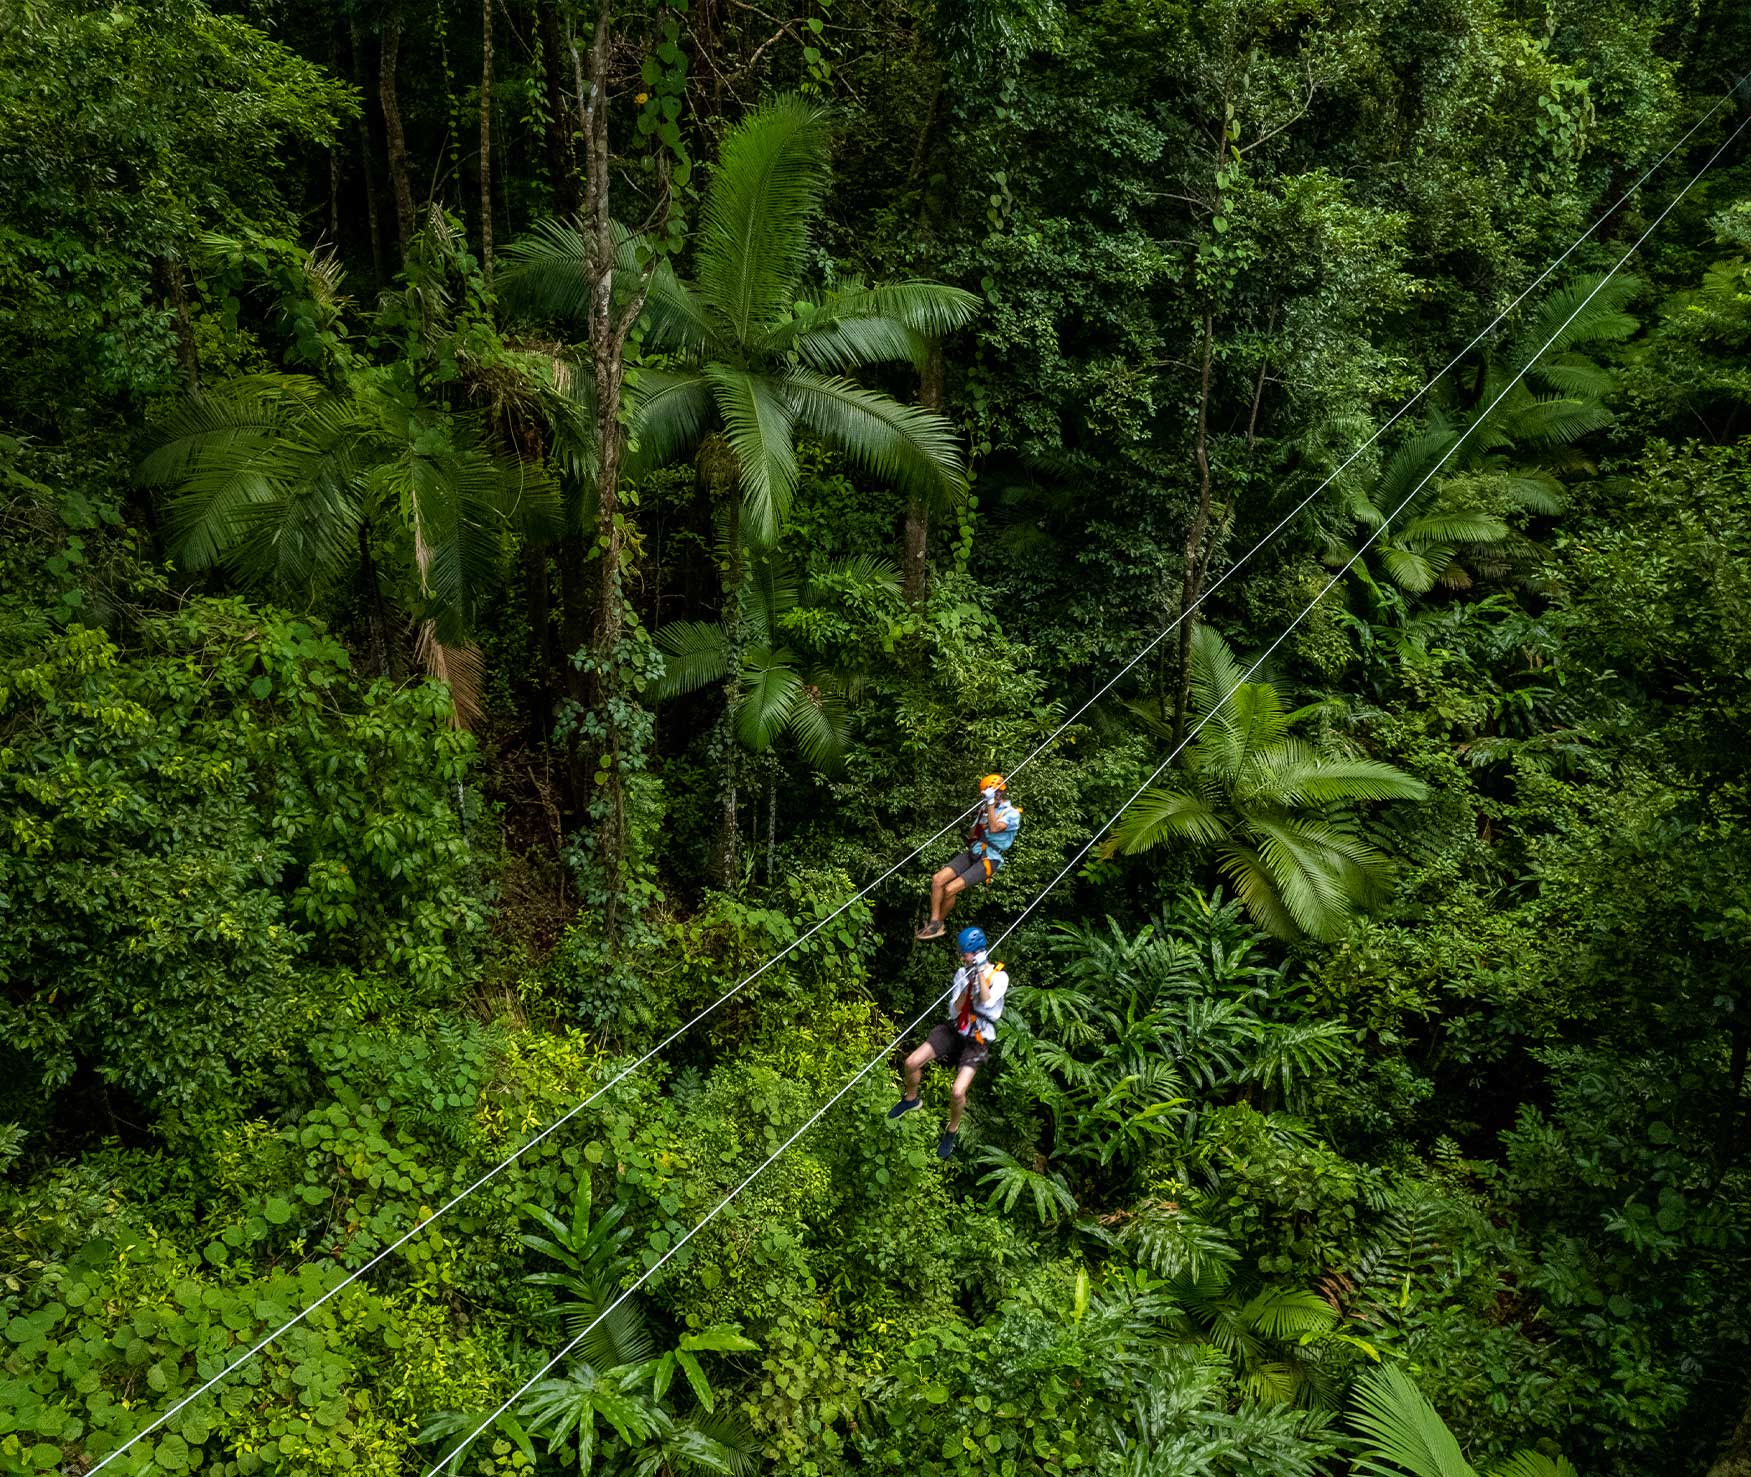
x,y
1511,461
781,692
296,487
1278,810
758,357
1433,519
1404,1436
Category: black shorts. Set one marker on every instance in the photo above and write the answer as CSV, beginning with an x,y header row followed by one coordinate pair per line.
x,y
971,869
955,1050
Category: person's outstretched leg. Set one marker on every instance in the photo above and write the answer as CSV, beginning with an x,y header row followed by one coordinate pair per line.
x,y
953,890
957,1102
915,1065
938,887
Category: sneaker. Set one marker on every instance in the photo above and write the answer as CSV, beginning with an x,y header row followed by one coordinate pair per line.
x,y
934,929
945,1146
904,1106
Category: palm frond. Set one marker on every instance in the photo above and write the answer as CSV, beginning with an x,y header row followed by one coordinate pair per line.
x,y
757,419
670,415
1159,815
1215,670
1304,777
1533,1464
1405,1436
1577,376
1410,468
1550,331
1535,491
1554,420
1288,1313
1455,526
695,654
858,325
770,688
547,273
912,448
819,724
1412,570
767,187
461,668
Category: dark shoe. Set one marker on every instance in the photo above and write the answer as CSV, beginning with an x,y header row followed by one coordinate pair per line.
x,y
945,1146
904,1106
934,929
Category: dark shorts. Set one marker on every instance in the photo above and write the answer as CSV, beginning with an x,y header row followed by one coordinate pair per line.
x,y
971,869
955,1050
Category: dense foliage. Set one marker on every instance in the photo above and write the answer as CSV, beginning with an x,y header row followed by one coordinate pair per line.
x,y
514,515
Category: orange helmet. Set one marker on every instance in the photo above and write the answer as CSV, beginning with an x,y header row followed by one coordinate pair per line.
x,y
994,782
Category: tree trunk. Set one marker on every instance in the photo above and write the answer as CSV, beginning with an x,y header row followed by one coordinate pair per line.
x,y
174,282
1735,1461
611,324
486,141
334,153
771,817
562,166
365,152
399,179
1191,584
915,572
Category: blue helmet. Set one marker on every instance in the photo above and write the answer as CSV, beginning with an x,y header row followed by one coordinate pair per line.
x,y
971,940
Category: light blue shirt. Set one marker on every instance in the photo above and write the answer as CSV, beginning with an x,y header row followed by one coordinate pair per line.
x,y
996,843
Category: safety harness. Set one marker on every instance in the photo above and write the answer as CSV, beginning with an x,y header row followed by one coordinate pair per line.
x,y
977,839
967,1007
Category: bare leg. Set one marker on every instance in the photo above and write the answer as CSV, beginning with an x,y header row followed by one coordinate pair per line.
x,y
915,1065
938,885
957,1097
954,888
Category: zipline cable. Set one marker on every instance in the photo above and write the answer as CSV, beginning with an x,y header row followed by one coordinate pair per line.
x,y
269,1339
1379,431
451,1456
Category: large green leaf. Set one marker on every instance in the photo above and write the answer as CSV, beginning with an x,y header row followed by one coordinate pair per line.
x,y
671,412
1299,775
1405,1437
770,687
914,449
695,654
757,419
753,235
857,325
1159,815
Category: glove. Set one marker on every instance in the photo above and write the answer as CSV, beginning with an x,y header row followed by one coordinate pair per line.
x,y
990,794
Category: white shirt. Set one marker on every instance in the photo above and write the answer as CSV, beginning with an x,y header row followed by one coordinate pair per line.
x,y
983,1026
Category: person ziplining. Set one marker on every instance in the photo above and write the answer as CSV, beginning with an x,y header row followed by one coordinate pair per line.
x,y
963,1041
987,848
